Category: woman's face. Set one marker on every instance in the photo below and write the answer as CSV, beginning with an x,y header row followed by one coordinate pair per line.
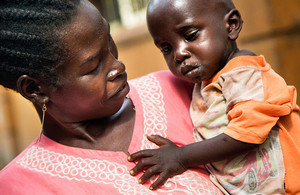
x,y
93,82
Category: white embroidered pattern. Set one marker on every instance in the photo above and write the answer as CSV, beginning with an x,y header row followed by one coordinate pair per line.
x,y
111,173
155,120
88,170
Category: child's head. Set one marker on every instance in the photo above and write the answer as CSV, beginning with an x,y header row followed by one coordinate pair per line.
x,y
196,37
30,38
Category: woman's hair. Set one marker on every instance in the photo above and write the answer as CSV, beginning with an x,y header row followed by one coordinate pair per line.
x,y
30,42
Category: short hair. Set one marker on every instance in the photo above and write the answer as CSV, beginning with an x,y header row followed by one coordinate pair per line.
x,y
30,40
225,5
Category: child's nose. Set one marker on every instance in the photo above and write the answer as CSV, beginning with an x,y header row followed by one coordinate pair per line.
x,y
181,53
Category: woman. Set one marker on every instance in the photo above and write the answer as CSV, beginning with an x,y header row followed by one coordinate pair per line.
x,y
60,56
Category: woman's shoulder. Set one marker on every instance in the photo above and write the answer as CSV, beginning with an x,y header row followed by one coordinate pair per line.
x,y
162,74
166,80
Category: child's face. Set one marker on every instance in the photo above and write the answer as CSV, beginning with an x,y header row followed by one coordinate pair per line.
x,y
192,36
94,83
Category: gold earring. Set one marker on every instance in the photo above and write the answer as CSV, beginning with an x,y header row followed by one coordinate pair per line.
x,y
44,108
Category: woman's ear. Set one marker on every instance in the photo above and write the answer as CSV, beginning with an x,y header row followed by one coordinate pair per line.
x,y
234,24
30,89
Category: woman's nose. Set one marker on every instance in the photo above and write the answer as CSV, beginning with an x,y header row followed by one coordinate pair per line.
x,y
181,53
117,69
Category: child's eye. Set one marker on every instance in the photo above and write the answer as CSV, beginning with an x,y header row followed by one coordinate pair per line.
x,y
191,36
165,49
109,39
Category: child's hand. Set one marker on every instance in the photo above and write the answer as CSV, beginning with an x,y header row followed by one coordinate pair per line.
x,y
165,161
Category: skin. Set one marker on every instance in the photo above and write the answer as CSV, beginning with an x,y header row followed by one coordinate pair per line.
x,y
197,38
88,108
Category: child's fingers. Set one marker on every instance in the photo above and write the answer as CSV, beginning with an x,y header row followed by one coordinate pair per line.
x,y
140,154
151,171
141,165
158,140
159,181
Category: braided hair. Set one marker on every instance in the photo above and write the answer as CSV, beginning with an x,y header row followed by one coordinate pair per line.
x,y
29,38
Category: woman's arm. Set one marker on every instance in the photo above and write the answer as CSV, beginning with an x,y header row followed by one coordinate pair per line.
x,y
170,160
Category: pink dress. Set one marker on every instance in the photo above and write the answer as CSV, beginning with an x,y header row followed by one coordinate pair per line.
x,y
162,107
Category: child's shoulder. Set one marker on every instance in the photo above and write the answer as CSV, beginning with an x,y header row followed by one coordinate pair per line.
x,y
244,52
244,62
246,58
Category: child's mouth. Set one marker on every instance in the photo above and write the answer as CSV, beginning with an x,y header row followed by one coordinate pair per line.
x,y
191,71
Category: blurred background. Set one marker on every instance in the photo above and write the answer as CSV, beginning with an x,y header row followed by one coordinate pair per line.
x,y
271,28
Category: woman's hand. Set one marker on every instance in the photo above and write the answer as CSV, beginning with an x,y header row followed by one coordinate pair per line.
x,y
165,161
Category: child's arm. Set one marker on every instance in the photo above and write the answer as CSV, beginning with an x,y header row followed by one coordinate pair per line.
x,y
170,160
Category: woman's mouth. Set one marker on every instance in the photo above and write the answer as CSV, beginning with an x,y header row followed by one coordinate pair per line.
x,y
122,90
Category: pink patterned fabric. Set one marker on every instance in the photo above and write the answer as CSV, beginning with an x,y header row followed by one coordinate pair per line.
x,y
161,102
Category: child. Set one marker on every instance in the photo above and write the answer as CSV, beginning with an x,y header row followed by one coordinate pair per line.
x,y
257,149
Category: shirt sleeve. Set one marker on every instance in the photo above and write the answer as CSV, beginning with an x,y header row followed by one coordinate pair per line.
x,y
255,100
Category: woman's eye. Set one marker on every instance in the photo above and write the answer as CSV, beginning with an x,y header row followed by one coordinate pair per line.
x,y
95,69
191,36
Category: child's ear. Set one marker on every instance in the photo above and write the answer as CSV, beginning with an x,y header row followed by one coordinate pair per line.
x,y
234,23
31,89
